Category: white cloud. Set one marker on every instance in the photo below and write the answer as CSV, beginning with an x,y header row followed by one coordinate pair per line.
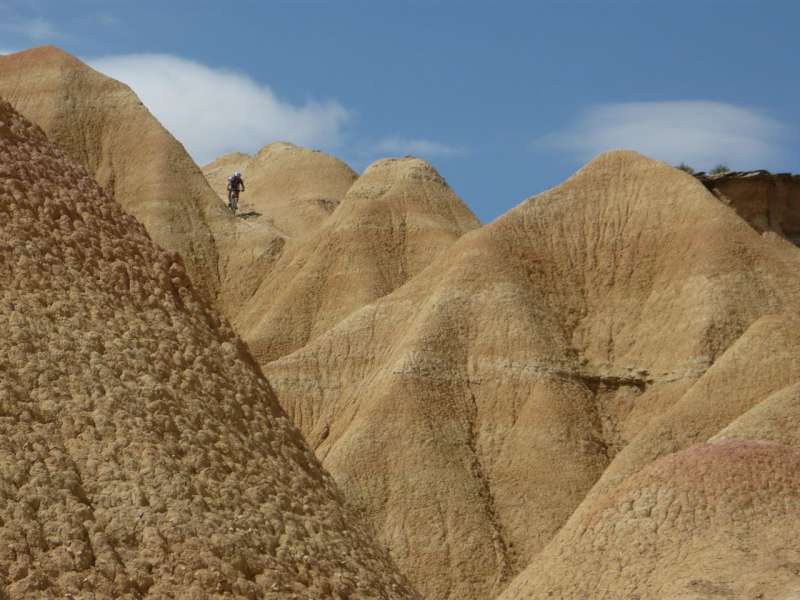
x,y
699,133
36,29
214,111
417,147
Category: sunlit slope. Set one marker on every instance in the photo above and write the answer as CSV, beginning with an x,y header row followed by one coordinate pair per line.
x,y
142,453
469,413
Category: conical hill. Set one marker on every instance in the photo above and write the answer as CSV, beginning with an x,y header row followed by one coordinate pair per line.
x,y
142,453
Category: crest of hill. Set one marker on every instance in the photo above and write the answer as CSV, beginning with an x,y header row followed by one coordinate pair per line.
x,y
103,125
142,453
557,335
392,223
294,188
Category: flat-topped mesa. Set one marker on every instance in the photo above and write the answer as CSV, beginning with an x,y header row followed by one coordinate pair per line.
x,y
393,221
293,188
768,201
102,124
142,453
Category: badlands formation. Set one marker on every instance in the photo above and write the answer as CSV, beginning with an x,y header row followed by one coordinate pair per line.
x,y
541,361
595,396
295,188
101,124
391,224
143,454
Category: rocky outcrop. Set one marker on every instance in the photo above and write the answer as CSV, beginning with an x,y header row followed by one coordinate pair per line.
x,y
142,454
769,202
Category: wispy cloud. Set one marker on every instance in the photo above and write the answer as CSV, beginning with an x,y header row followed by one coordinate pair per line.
x,y
418,147
700,133
214,111
36,29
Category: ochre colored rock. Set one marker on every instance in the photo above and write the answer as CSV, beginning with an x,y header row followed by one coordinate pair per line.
x,y
769,202
142,454
101,123
470,412
292,188
392,223
713,521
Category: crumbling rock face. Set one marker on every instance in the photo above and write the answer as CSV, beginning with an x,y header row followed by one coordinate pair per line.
x,y
769,202
142,455
100,123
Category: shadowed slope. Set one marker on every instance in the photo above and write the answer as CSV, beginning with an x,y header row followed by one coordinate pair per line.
x,y
392,223
101,124
769,202
142,453
469,412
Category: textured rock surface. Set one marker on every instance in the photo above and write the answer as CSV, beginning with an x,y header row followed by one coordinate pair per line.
x,y
768,202
393,222
290,192
293,188
469,413
714,521
776,419
101,124
142,455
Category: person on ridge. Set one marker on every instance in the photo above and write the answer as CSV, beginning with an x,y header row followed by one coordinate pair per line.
x,y
235,185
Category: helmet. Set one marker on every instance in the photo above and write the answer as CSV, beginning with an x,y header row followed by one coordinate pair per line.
x,y
237,174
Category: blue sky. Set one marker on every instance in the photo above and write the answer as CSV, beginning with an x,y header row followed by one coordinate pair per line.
x,y
506,98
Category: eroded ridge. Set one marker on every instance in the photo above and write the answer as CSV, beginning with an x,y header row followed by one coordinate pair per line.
x,y
142,455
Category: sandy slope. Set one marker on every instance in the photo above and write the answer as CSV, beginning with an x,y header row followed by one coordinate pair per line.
x,y
142,455
469,413
391,224
101,124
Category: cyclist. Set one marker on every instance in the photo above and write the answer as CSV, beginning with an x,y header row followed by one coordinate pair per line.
x,y
235,185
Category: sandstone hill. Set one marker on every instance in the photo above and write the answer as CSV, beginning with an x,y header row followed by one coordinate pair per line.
x,y
392,223
542,361
101,124
143,455
293,188
594,396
